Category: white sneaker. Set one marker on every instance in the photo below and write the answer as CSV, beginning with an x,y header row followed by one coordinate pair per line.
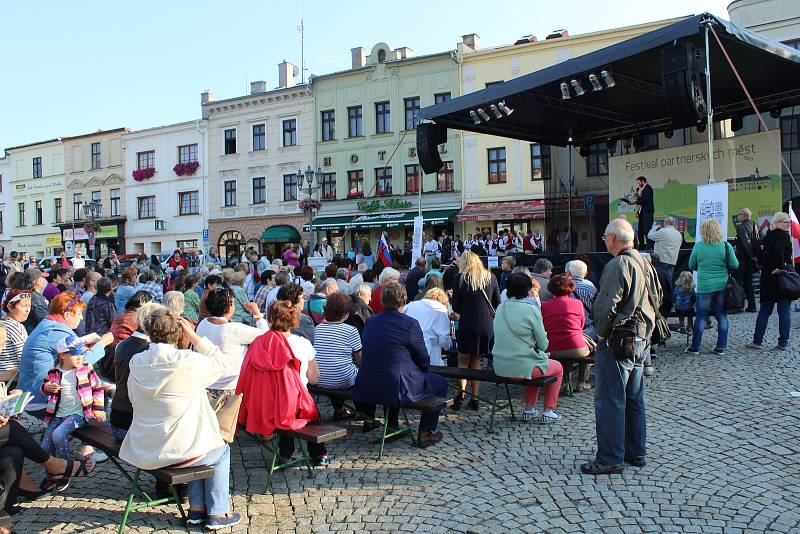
x,y
649,370
528,415
550,417
99,456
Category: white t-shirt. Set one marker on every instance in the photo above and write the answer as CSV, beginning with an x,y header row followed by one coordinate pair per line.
x,y
232,339
303,351
70,403
78,263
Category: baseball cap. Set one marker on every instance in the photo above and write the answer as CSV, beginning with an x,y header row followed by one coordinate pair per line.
x,y
71,344
14,254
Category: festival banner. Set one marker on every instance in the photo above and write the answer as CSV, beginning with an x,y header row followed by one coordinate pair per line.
x,y
748,163
712,203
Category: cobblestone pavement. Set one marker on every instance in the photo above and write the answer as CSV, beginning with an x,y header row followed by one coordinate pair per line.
x,y
724,448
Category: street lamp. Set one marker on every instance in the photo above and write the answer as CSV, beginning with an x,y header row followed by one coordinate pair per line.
x,y
92,211
309,205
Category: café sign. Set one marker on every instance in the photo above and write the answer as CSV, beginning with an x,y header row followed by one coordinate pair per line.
x,y
371,206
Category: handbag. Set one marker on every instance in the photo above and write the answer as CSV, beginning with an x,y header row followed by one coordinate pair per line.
x,y
661,332
789,282
734,292
227,409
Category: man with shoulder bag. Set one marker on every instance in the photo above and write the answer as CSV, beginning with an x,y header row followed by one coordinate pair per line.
x,y
624,314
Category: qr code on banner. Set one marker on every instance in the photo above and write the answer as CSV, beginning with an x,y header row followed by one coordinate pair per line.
x,y
710,210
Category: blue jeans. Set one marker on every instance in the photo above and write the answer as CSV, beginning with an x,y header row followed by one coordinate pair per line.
x,y
119,433
713,302
212,493
619,408
56,437
784,320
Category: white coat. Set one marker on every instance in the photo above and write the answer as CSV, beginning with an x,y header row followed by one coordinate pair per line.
x,y
435,324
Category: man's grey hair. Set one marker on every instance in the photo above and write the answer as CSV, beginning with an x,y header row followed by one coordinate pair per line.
x,y
746,212
669,221
542,265
174,301
621,229
362,268
282,278
363,289
341,273
577,268
389,273
521,269
328,284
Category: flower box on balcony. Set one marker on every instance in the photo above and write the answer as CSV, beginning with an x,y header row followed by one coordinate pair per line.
x,y
355,194
186,169
309,204
143,174
328,197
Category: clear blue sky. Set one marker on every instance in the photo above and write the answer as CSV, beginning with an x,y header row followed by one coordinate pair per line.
x,y
71,68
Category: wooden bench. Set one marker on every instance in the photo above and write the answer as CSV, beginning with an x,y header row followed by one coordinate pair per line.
x,y
488,375
689,322
312,433
567,363
99,436
428,404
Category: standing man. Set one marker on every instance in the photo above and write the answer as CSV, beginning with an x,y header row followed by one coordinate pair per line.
x,y
747,243
537,242
327,250
13,264
412,279
644,199
666,244
111,262
626,287
77,261
430,250
447,247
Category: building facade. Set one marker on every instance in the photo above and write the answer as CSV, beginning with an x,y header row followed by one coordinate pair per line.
x,y
165,187
5,178
365,136
94,171
257,143
37,195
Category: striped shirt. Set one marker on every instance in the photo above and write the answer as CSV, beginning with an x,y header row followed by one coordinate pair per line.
x,y
585,292
335,344
12,352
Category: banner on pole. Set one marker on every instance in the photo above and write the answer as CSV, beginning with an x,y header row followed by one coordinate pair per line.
x,y
712,203
416,243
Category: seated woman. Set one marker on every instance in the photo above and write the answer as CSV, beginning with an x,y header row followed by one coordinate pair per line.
x,y
519,348
173,422
126,324
564,321
359,309
394,365
433,317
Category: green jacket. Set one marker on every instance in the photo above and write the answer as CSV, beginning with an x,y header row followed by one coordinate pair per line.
x,y
191,308
519,340
709,262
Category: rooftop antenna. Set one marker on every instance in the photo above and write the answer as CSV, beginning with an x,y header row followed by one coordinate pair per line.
x,y
301,29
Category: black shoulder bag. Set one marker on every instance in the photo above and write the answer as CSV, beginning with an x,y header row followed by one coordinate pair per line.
x,y
734,292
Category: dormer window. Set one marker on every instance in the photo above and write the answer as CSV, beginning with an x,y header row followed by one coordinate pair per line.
x,y
381,56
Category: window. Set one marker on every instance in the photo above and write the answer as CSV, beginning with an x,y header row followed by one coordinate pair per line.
x,y
290,132
147,207
230,193
441,97
790,143
383,181
289,187
355,122
21,214
411,106
230,141
1,223
1,186
57,208
115,202
96,156
383,118
259,137
146,160
259,190
187,154
187,244
794,43
38,213
37,168
541,162
328,123
96,195
329,186
444,178
597,160
76,206
497,165
355,182
188,203
412,179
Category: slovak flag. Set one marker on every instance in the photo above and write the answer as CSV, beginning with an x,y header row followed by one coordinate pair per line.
x,y
794,230
383,251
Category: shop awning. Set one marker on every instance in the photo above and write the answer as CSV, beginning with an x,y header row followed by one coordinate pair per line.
x,y
518,209
330,223
402,218
280,234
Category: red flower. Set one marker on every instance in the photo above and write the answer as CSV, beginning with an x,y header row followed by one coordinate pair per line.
x,y
186,169
143,174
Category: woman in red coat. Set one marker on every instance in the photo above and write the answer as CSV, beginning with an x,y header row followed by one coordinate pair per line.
x,y
564,320
177,260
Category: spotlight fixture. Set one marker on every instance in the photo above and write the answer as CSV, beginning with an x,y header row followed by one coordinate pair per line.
x,y
611,146
485,116
496,111
565,91
576,86
775,113
668,133
475,118
737,123
701,127
627,143
606,75
638,142
583,151
596,85
505,109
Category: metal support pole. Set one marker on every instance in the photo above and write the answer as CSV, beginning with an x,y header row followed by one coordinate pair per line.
x,y
569,196
709,113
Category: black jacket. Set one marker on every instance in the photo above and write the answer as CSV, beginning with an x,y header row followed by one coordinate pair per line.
x,y
777,247
746,235
412,282
121,408
359,314
38,311
646,199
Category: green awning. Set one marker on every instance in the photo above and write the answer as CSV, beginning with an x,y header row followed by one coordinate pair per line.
x,y
280,234
331,223
403,218
438,216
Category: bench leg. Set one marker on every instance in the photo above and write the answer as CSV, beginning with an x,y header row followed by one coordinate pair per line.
x,y
510,404
408,426
178,502
304,451
386,434
129,502
494,409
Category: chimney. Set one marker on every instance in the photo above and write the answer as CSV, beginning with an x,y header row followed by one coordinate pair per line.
x,y
404,52
358,57
286,74
258,87
206,97
557,34
525,39
471,40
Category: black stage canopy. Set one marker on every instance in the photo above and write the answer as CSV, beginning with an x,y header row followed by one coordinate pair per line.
x,y
635,104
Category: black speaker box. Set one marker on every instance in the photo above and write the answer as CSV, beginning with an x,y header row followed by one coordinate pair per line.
x,y
429,137
684,80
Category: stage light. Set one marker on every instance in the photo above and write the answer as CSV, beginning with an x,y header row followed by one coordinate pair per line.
x,y
475,117
775,113
596,85
565,91
505,109
701,127
627,143
485,116
496,111
583,151
668,134
638,142
737,123
611,146
606,75
576,86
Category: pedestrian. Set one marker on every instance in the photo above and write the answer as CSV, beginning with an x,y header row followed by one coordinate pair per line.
x,y
542,271
777,256
432,314
747,246
667,244
685,297
102,309
622,309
